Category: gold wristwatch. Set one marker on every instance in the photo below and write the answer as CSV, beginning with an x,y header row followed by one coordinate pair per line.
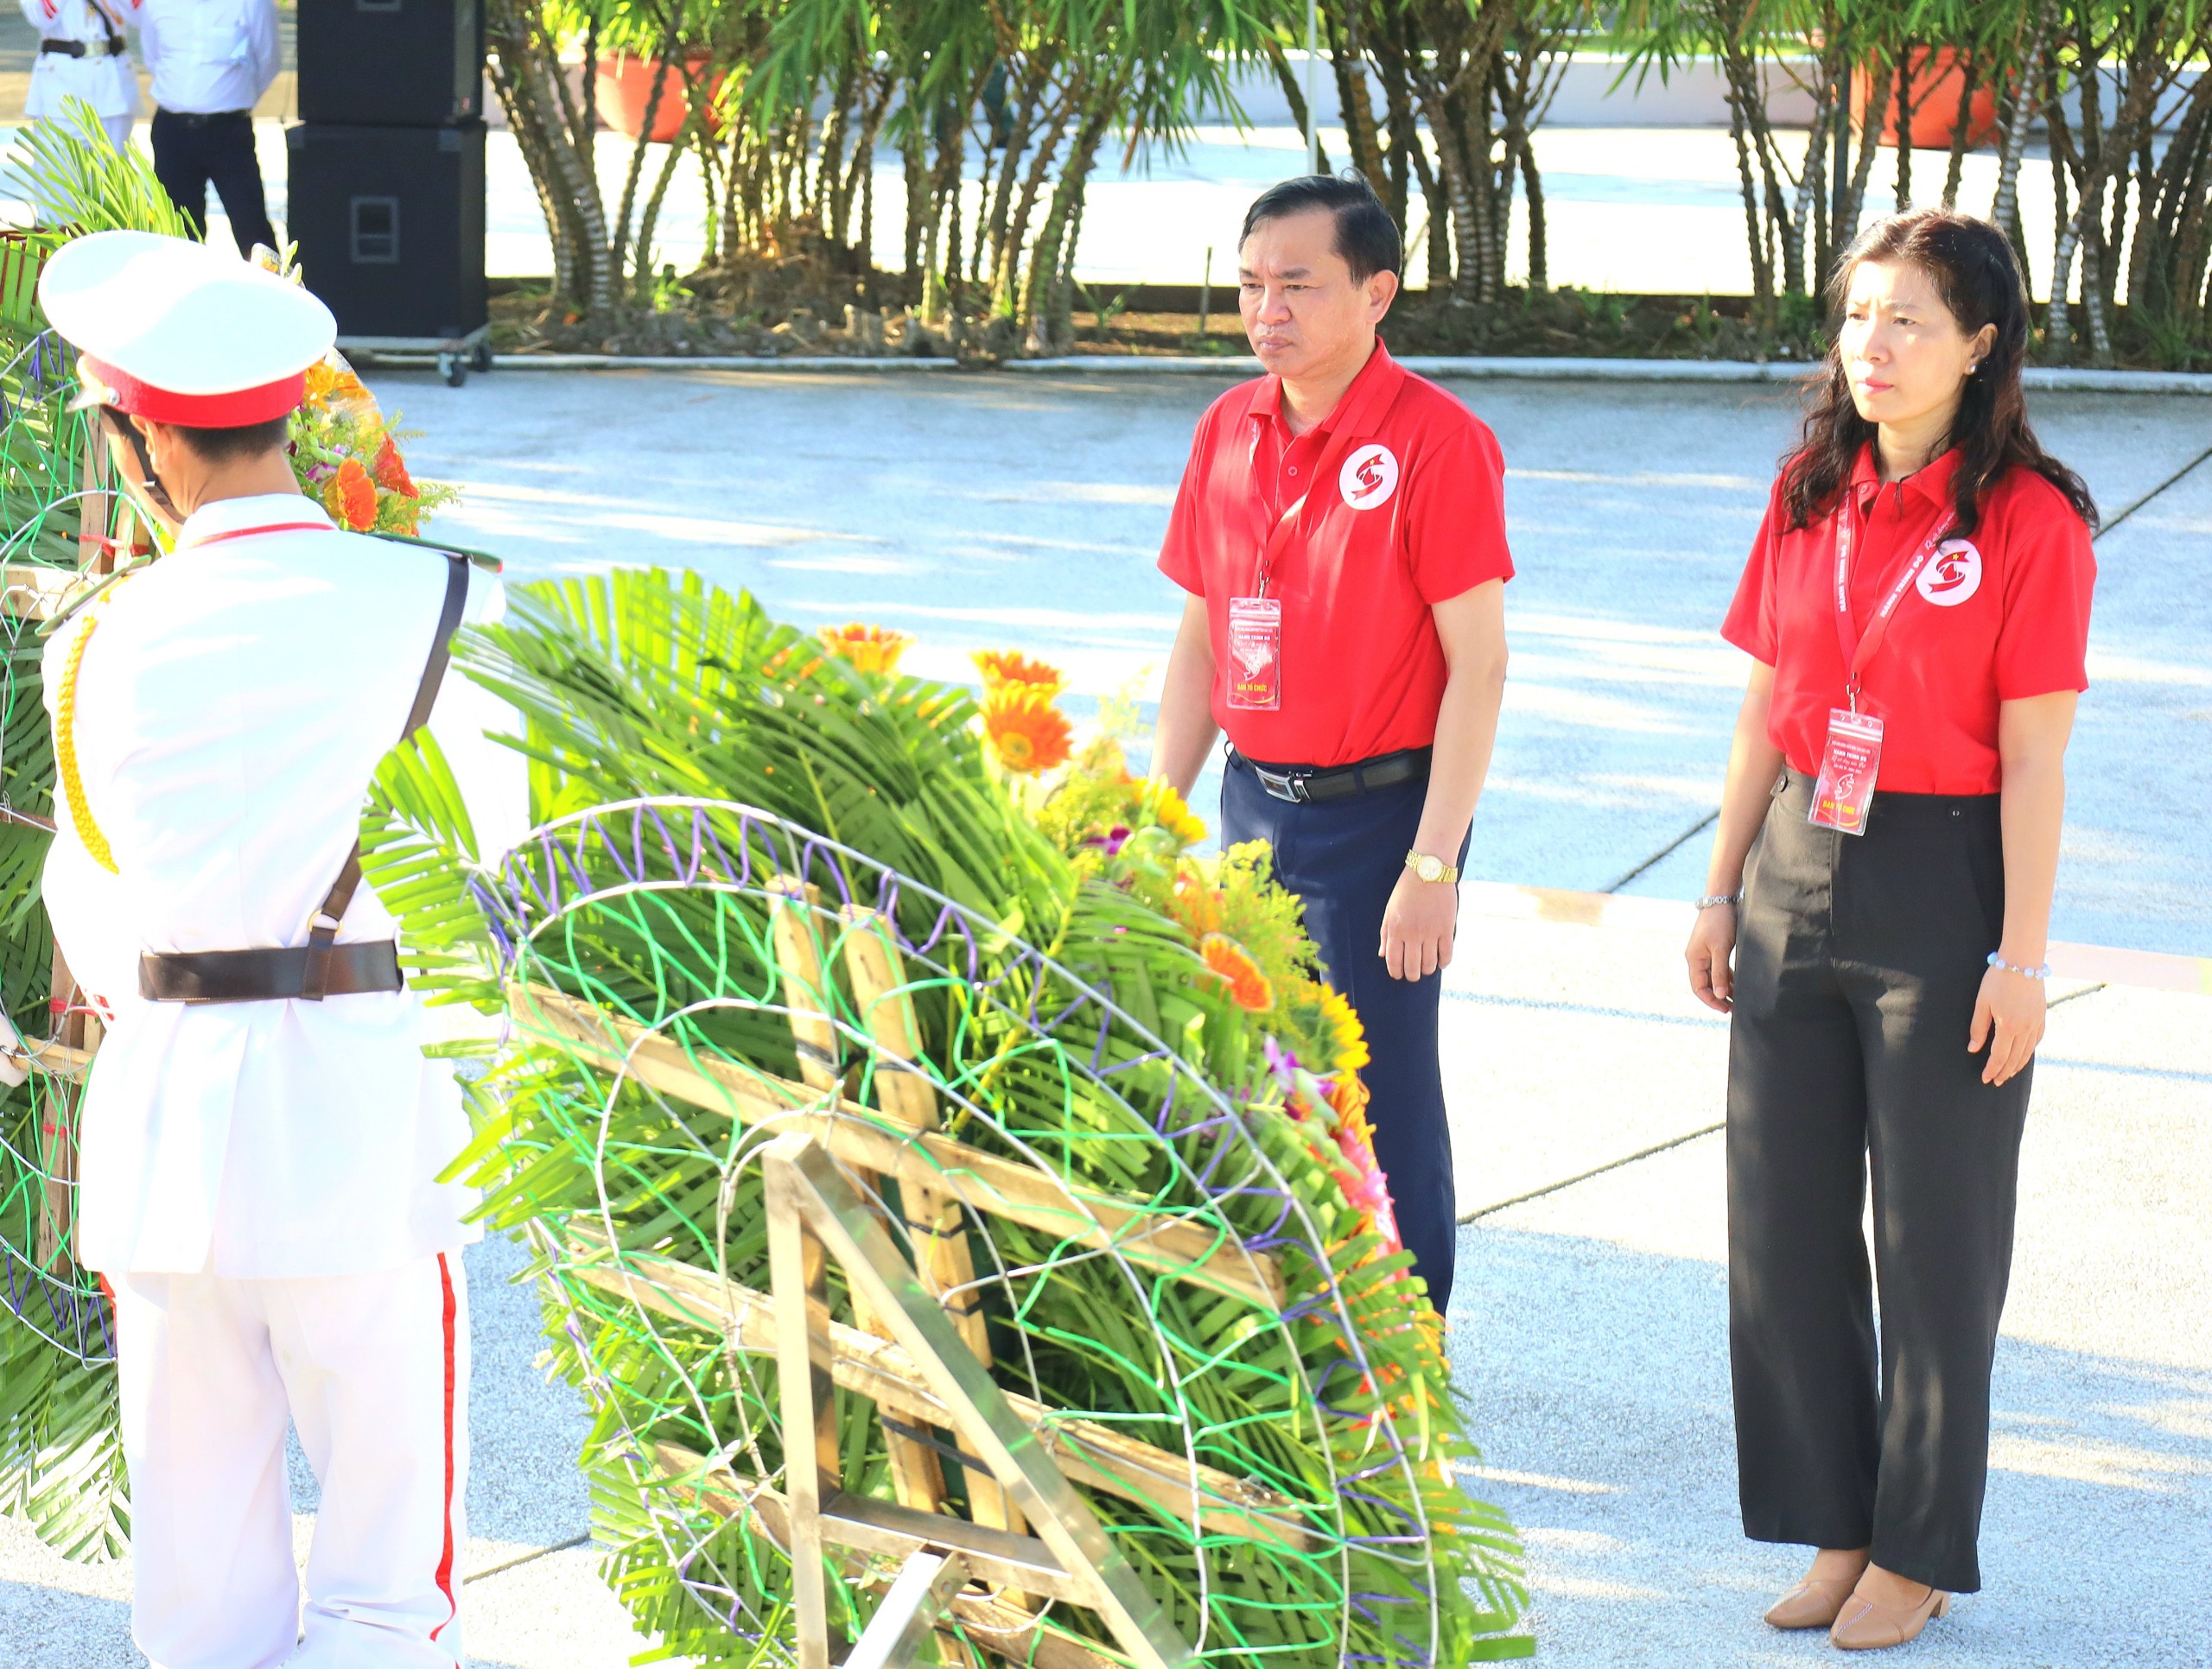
x,y
1431,869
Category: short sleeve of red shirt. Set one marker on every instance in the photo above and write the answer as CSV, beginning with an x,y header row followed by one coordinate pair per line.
x,y
1750,624
1179,554
2050,571
1455,511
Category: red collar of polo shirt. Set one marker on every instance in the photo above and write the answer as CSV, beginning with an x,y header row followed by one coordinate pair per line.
x,y
1931,481
1267,393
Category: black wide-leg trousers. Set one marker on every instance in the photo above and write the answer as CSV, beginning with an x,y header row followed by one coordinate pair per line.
x,y
1858,961
1343,858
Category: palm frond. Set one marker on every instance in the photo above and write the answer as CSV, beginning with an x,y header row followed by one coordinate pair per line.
x,y
75,177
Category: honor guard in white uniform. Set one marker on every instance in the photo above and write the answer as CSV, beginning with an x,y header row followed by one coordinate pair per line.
x,y
82,55
262,1135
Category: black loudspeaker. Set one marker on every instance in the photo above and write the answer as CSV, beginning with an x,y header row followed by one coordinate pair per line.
x,y
391,63
389,222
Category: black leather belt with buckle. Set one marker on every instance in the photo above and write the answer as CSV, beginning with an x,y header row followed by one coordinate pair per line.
x,y
83,48
265,976
1303,785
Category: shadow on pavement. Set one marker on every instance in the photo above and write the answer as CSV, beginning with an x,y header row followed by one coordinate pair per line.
x,y
1599,1381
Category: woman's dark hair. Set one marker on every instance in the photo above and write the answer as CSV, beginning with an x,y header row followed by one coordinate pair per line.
x,y
1972,266
1367,238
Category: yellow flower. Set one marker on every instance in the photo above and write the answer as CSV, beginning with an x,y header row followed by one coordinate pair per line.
x,y
1234,967
872,649
1177,818
1348,1038
1026,731
1007,669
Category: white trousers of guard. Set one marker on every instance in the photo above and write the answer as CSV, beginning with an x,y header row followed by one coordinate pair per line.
x,y
374,1372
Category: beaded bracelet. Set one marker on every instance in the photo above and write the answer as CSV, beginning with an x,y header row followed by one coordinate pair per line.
x,y
2043,973
1712,899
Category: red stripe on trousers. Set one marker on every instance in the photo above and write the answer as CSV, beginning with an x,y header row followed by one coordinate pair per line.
x,y
445,1558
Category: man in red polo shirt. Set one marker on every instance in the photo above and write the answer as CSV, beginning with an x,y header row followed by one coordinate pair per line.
x,y
1340,530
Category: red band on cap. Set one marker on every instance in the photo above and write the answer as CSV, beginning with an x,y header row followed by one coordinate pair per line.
x,y
232,410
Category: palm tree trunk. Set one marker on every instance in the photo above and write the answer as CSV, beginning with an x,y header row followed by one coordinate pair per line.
x,y
1905,103
2005,211
620,259
1961,130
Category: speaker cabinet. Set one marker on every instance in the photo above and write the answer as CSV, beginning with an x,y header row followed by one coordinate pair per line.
x,y
389,222
391,63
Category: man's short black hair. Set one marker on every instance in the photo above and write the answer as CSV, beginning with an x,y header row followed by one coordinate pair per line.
x,y
1367,238
228,445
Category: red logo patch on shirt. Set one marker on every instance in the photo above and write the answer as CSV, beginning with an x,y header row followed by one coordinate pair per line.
x,y
1369,478
1952,575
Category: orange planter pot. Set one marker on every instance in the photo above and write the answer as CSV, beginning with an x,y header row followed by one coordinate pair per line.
x,y
625,86
1938,80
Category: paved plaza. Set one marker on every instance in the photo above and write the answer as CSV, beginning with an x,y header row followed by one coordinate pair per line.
x,y
1589,1328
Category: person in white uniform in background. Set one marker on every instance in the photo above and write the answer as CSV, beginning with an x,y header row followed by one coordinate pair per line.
x,y
211,61
262,1134
82,55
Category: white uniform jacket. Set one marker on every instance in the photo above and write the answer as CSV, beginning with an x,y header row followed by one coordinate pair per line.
x,y
108,83
209,56
231,704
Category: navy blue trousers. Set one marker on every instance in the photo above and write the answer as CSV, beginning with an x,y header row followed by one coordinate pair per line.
x,y
1343,858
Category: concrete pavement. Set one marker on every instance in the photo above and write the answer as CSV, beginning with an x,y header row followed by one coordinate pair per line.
x,y
1589,1329
982,511
1589,1333
1589,1339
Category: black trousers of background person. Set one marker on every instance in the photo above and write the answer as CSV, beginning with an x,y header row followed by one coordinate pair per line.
x,y
1342,858
193,152
1858,960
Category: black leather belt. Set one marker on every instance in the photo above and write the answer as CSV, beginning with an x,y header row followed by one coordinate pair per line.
x,y
1303,784
205,118
263,976
83,48
321,968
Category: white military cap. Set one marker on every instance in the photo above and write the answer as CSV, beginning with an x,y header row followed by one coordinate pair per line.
x,y
179,332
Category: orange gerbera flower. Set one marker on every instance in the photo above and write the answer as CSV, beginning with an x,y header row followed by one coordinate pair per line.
x,y
1177,818
1195,902
1349,1096
391,470
1027,734
1233,965
870,648
1007,669
328,381
351,497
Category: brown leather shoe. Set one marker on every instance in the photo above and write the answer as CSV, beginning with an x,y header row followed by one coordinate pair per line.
x,y
1863,1625
1813,1603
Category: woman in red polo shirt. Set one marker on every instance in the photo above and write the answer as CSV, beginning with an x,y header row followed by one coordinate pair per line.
x,y
1917,609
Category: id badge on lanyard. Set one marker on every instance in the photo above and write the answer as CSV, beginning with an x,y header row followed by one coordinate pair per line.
x,y
1851,759
1254,672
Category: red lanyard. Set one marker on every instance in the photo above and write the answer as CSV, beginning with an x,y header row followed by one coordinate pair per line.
x,y
1856,655
1353,417
249,532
